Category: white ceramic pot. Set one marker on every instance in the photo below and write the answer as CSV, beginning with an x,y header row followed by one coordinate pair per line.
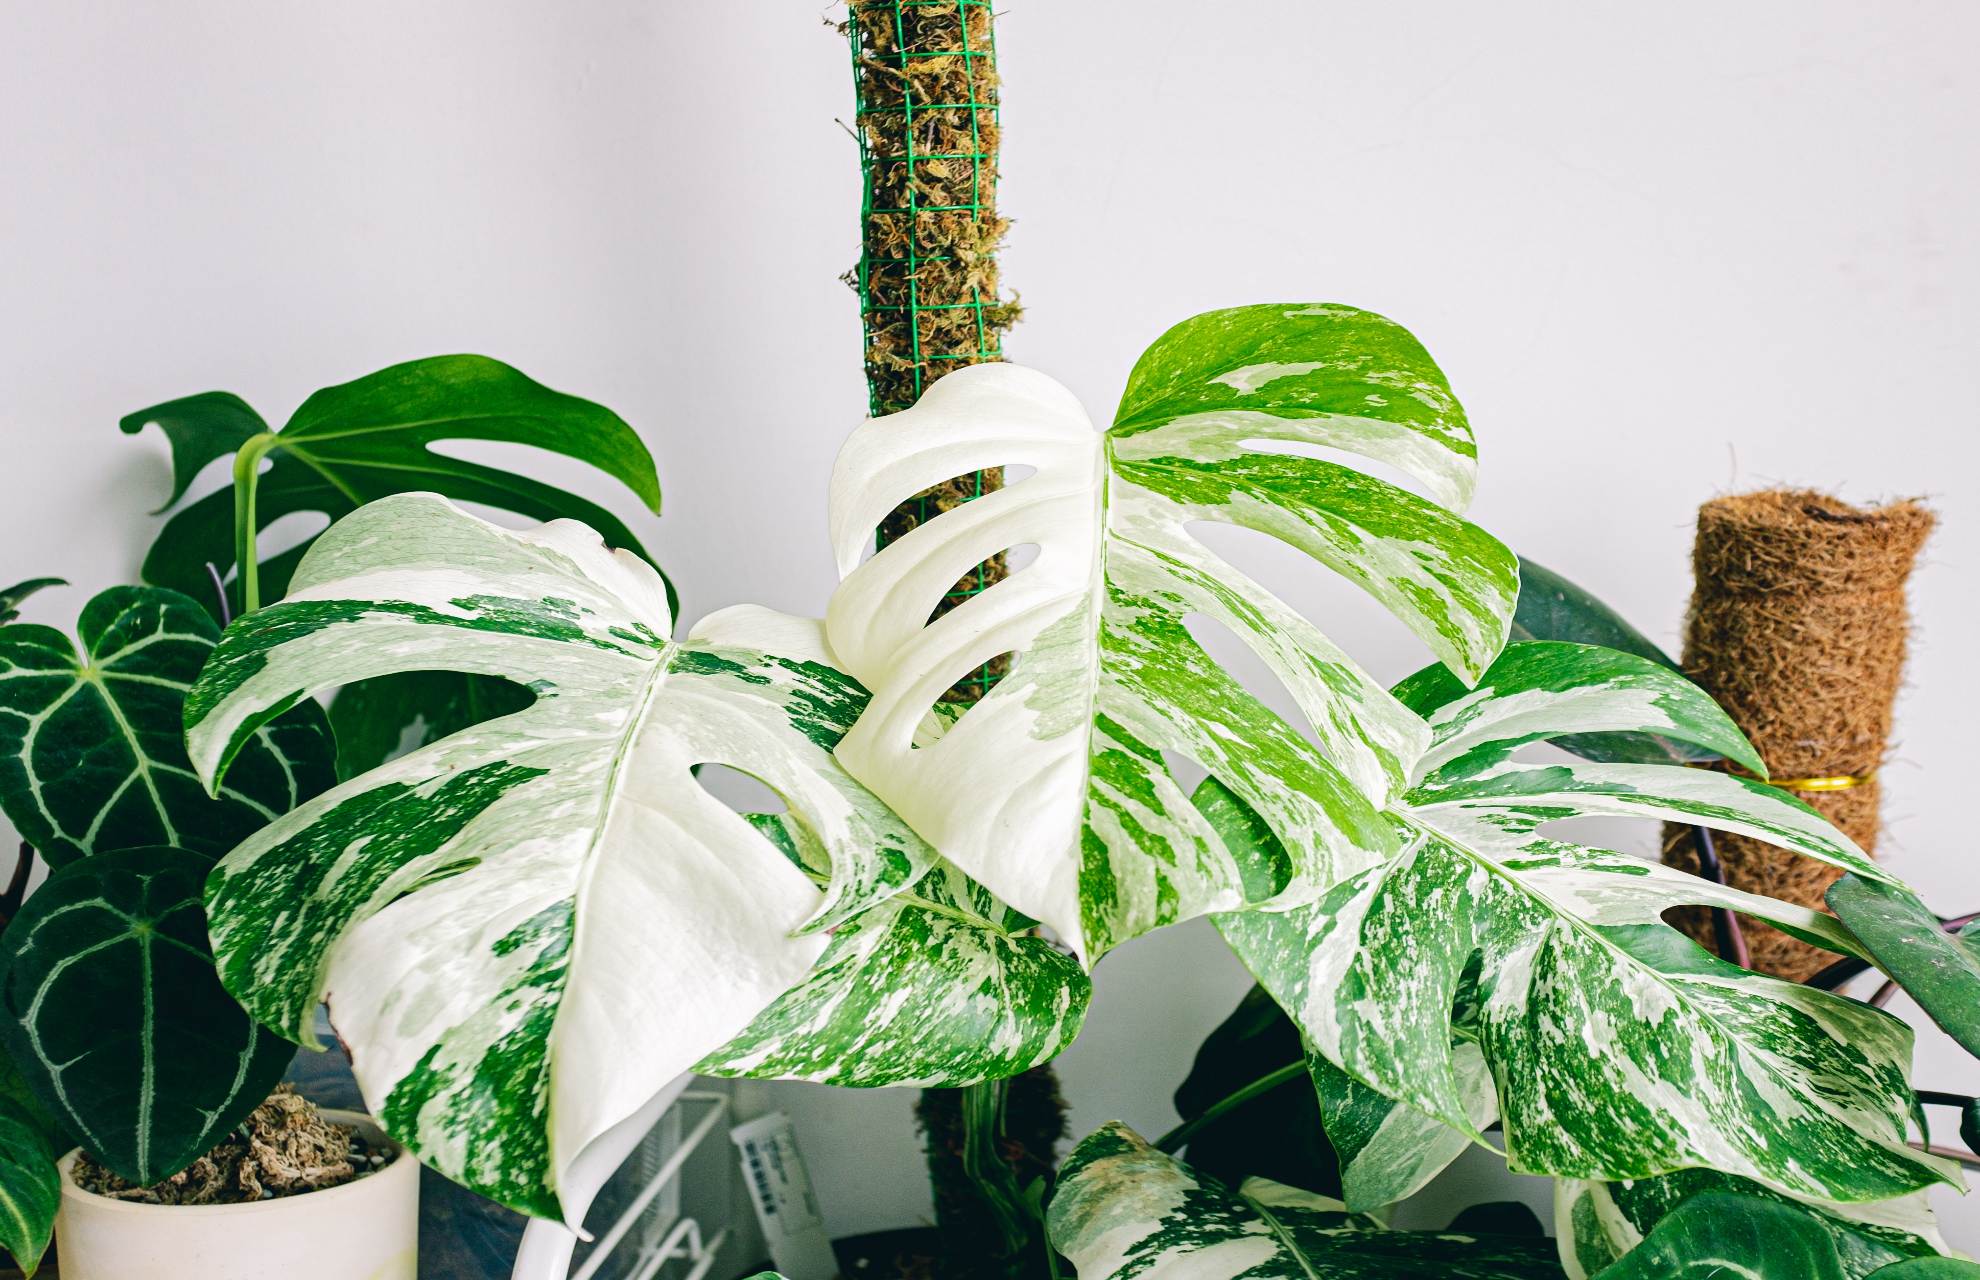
x,y
362,1230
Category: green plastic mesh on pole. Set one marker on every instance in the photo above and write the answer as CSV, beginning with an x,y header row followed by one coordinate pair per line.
x,y
925,72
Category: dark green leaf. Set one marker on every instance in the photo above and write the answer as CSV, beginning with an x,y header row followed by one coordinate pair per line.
x,y
1275,1135
1940,970
1718,1236
30,1188
92,749
361,440
1969,1125
1552,608
11,598
379,719
1499,1218
117,1020
1929,1269
201,429
1602,1221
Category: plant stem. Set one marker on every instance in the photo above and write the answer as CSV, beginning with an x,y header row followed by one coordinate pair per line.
x,y
1173,1140
247,478
983,1161
16,891
1731,939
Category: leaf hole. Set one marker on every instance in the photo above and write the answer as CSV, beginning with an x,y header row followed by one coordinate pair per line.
x,y
962,698
743,792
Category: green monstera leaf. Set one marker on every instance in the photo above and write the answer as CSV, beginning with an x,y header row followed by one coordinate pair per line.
x,y
940,985
1125,1211
30,1187
529,927
366,439
1087,830
1938,969
13,597
116,1021
1617,1048
1600,1223
92,754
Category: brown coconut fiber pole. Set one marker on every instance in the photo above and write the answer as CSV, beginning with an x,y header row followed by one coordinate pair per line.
x,y
1798,627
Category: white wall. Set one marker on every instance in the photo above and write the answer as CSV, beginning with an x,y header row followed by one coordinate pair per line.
x,y
1661,250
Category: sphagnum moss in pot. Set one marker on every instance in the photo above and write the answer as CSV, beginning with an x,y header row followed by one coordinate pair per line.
x,y
292,1192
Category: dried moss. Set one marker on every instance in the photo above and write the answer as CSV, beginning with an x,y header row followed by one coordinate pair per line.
x,y
285,1148
931,300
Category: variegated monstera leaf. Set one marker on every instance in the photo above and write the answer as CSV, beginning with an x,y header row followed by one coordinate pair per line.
x,y
1125,1211
1052,791
1616,1048
940,985
526,928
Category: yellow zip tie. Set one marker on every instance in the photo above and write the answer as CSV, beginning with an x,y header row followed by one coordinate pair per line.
x,y
1834,782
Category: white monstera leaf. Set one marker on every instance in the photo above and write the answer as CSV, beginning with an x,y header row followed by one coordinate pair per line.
x,y
1052,791
1616,1047
1123,1210
526,929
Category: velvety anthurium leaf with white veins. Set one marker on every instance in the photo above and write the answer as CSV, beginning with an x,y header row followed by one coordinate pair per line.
x,y
940,985
1618,1048
1125,1211
528,927
92,752
1051,791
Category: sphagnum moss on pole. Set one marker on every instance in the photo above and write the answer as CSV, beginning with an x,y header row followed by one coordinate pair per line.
x,y
925,73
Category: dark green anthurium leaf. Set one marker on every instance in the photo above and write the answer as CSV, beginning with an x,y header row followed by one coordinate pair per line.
x,y
1969,1125
11,598
1602,1222
1500,1218
1321,1127
1275,1134
1718,1235
380,719
92,746
30,1188
1929,1269
1125,1211
1940,970
365,439
117,1020
1552,608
